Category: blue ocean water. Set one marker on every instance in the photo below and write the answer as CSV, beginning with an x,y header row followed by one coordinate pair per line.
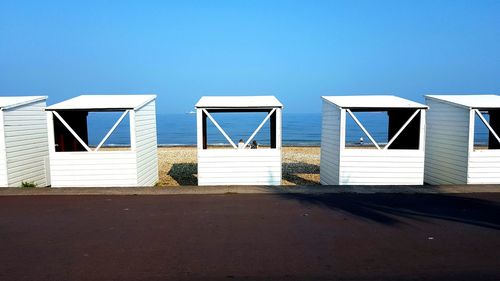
x,y
298,128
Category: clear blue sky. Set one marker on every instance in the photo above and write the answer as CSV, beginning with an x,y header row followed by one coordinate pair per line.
x,y
296,50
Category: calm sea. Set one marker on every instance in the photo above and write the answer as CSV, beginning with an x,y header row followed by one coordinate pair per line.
x,y
298,128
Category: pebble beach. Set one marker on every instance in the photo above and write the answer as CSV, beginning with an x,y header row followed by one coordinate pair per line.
x,y
177,166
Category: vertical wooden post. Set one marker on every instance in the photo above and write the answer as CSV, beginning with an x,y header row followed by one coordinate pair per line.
x,y
493,143
201,129
342,129
50,132
133,131
272,123
472,116
278,128
423,119
204,135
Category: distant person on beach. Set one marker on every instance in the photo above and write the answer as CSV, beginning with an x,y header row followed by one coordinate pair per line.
x,y
241,144
254,145
361,140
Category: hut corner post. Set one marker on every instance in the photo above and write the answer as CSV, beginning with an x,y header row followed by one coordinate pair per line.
x,y
201,129
3,154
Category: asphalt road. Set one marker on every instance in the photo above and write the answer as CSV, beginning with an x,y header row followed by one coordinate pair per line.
x,y
251,237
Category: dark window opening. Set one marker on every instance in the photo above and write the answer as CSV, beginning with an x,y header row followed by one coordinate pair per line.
x,y
483,137
238,125
382,127
91,127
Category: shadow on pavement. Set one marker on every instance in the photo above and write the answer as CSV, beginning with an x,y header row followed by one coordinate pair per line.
x,y
386,208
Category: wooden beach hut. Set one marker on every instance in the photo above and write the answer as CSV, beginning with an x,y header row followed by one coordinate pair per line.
x,y
239,166
74,163
398,161
452,156
23,141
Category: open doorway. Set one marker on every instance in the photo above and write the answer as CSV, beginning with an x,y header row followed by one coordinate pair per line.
x,y
91,130
383,129
486,129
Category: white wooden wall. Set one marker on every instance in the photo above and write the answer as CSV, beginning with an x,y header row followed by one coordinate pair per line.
x,y
239,166
108,168
146,145
381,167
330,144
26,147
351,166
484,167
93,169
3,159
447,143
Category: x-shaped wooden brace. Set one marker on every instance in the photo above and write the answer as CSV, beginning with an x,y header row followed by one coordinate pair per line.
x,y
393,137
77,137
250,138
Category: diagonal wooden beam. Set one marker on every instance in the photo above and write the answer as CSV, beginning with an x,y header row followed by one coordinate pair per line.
x,y
72,132
220,128
487,124
260,126
112,130
363,128
401,129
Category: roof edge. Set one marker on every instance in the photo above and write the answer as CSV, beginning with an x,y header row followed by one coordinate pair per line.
x,y
421,106
35,99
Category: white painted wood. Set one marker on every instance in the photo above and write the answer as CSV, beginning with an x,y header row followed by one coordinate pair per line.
x,y
136,167
468,101
3,158
219,128
24,143
238,102
77,137
387,167
357,166
239,167
259,127
133,136
146,150
363,128
112,130
279,128
199,128
401,129
7,103
450,154
93,169
448,138
331,142
103,102
375,101
485,122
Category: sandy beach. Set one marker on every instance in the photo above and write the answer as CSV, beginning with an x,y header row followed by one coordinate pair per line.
x,y
177,166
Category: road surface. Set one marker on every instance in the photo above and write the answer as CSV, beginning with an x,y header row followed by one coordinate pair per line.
x,y
251,237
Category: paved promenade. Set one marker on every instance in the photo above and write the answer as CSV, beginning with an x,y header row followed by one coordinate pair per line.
x,y
310,189
282,236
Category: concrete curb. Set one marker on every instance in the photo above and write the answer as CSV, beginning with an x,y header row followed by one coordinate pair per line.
x,y
180,190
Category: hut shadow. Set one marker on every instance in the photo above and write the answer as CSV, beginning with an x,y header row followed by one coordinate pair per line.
x,y
184,173
291,169
398,209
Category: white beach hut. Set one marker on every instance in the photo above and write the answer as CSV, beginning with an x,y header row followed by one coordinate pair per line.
x,y
73,163
452,156
400,161
235,166
23,141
